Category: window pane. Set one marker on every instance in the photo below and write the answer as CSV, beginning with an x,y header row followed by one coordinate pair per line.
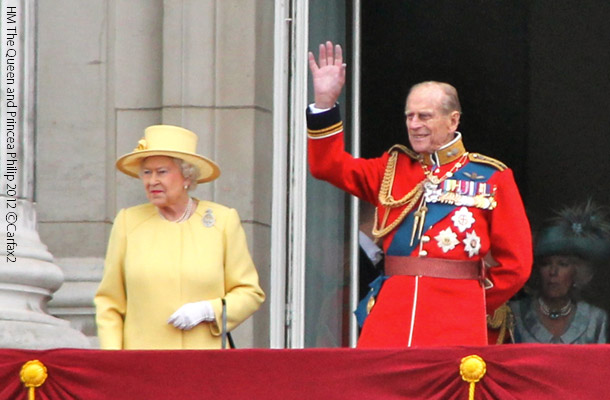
x,y
327,266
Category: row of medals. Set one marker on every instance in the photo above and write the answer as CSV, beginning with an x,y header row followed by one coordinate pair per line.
x,y
452,192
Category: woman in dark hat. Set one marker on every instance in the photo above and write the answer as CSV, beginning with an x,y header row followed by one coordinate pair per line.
x,y
566,253
177,268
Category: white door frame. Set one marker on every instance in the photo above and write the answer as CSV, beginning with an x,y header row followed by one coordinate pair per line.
x,y
289,208
287,305
279,242
355,150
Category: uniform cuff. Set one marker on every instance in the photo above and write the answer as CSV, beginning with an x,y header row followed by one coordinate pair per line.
x,y
324,124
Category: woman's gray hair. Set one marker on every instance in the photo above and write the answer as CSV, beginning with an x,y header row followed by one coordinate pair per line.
x,y
189,171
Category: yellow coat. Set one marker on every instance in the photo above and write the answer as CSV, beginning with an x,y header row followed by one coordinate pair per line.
x,y
154,266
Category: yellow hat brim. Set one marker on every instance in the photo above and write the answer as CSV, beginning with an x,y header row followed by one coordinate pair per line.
x,y
129,164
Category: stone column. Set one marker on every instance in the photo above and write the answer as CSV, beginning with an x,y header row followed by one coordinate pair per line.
x,y
28,277
217,81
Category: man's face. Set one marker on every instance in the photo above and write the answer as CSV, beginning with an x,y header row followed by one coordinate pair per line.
x,y
429,127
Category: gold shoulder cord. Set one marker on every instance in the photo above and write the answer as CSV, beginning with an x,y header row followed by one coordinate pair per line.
x,y
387,200
480,158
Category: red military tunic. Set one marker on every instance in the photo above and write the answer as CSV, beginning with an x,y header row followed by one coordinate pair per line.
x,y
424,310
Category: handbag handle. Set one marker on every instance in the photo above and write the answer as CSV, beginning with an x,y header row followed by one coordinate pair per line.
x,y
224,324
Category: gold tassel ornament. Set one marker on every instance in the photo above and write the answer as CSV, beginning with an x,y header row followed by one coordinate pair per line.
x,y
472,370
33,374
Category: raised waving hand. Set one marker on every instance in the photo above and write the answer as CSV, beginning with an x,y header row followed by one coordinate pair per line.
x,y
328,74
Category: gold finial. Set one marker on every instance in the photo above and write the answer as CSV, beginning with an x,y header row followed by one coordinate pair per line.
x,y
33,374
472,370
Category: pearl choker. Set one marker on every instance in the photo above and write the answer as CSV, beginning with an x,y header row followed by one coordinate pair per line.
x,y
555,314
185,215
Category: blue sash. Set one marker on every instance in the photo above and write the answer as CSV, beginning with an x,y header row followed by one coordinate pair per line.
x,y
400,245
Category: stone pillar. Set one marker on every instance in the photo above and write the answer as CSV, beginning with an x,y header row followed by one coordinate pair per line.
x,y
28,277
217,81
74,300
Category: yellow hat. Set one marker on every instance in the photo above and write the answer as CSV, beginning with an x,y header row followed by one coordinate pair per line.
x,y
170,141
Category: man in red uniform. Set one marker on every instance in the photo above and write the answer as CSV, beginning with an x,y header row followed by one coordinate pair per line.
x,y
440,211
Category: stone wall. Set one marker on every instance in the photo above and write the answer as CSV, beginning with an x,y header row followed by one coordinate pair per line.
x,y
106,69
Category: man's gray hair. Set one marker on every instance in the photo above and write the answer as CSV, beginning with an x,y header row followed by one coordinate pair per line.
x,y
450,101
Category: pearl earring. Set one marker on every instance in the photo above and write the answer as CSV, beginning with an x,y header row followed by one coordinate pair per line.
x,y
186,187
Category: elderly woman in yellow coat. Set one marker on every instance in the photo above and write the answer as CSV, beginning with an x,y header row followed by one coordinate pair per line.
x,y
172,262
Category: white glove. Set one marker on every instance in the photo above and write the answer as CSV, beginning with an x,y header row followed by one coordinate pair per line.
x,y
191,314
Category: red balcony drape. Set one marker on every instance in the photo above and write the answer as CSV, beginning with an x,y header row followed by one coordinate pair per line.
x,y
513,372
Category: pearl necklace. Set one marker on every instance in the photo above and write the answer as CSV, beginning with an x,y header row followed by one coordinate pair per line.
x,y
555,314
185,215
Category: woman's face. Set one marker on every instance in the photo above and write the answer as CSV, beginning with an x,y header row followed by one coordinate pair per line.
x,y
163,181
557,274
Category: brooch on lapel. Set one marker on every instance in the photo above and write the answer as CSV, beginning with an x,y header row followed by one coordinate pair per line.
x,y
208,219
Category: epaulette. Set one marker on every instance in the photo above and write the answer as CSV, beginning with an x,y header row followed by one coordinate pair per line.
x,y
405,150
480,158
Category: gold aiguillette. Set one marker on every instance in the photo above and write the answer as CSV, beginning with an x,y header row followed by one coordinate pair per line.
x,y
418,221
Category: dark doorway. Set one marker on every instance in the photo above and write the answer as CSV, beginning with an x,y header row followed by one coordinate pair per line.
x,y
534,82
479,47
